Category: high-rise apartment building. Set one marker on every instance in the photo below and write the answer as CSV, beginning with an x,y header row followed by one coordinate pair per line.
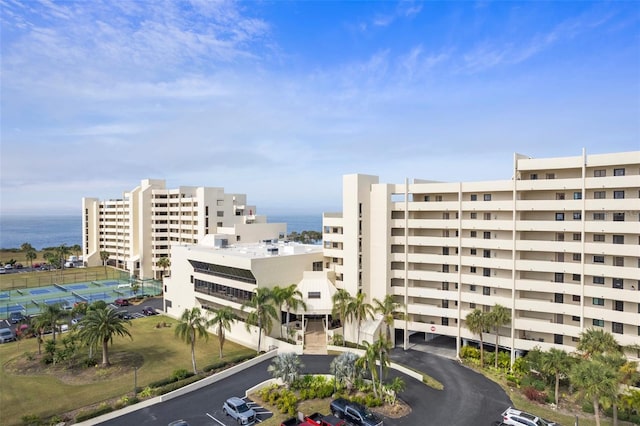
x,y
558,244
138,229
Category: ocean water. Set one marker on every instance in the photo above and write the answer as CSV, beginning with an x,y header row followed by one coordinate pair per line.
x,y
52,231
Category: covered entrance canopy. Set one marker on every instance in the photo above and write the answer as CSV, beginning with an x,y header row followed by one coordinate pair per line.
x,y
317,293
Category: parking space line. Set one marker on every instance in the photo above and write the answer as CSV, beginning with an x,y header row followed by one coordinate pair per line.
x,y
215,419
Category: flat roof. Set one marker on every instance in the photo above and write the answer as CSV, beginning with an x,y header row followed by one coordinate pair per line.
x,y
259,250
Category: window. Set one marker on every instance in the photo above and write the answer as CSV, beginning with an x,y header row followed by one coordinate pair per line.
x,y
598,259
598,280
559,277
313,295
598,301
473,234
575,318
618,261
486,253
487,197
618,305
445,268
473,252
559,298
575,298
577,215
618,194
576,277
472,305
598,323
533,176
559,195
617,327
599,173
474,197
599,216
445,215
618,239
486,272
445,321
220,213
474,215
486,291
550,176
599,195
487,216
577,195
438,197
558,339
598,238
559,216
445,250
618,172
486,235
618,283
472,287
577,237
577,257
426,198
618,217
472,269
559,236
445,285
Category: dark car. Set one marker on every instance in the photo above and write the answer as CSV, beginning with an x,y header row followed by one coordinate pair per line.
x,y
121,302
16,317
148,310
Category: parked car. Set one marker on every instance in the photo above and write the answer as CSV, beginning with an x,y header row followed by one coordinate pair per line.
x,y
315,419
512,416
16,317
238,409
7,335
354,413
2,270
121,302
8,266
179,423
148,310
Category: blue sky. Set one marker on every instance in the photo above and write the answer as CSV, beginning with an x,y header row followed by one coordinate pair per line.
x,y
279,99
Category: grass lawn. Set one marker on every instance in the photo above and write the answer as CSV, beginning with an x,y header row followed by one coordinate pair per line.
x,y
156,350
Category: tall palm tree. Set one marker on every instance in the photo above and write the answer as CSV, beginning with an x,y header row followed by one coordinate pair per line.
x,y
221,320
31,255
341,300
498,317
556,362
51,314
476,322
164,263
382,347
100,325
388,307
192,325
262,312
368,362
292,299
39,323
359,310
76,249
595,380
104,256
277,296
596,341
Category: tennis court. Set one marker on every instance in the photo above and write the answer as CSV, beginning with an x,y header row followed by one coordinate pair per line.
x,y
31,301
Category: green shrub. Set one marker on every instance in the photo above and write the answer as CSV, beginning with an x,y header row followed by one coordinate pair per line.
x,y
469,352
177,385
31,420
146,392
86,415
587,407
371,400
180,373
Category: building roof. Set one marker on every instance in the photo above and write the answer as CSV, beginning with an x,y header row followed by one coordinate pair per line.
x,y
317,284
212,243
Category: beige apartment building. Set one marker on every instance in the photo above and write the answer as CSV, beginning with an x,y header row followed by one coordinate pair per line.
x,y
557,243
139,228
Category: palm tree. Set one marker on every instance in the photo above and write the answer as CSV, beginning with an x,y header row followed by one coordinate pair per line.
x,y
62,252
222,319
192,325
262,312
26,247
104,256
76,249
277,296
341,300
382,347
368,362
292,299
595,380
39,323
359,310
164,263
498,317
389,309
100,325
556,362
344,367
596,341
51,314
476,322
286,367
31,255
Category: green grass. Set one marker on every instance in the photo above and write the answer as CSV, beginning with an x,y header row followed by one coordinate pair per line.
x,y
46,395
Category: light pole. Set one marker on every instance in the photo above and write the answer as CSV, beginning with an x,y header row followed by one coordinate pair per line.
x,y
135,381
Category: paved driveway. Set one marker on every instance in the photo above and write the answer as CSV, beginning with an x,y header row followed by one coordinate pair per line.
x,y
468,399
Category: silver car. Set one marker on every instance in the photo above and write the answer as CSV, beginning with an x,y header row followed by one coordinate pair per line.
x,y
238,409
6,335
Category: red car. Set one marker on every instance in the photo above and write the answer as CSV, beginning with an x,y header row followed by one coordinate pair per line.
x,y
121,302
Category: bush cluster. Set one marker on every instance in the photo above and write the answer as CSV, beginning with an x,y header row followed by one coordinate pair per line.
x,y
534,394
285,399
86,415
311,387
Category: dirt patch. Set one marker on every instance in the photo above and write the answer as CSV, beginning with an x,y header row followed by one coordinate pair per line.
x,y
395,411
122,363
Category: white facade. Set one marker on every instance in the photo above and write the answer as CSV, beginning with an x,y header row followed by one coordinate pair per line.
x,y
558,244
138,229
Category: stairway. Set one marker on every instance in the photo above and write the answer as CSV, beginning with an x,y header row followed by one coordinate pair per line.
x,y
315,338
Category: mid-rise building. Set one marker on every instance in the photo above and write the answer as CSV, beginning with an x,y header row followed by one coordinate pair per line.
x,y
138,229
558,244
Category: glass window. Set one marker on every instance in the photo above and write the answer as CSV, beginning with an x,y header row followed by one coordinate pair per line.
x,y
577,215
474,197
486,291
618,261
474,215
559,277
487,197
598,301
617,327
618,172
598,323
472,287
559,216
577,257
618,239
533,176
486,235
598,195
473,234
559,298
577,195
618,217
577,237
473,252
575,298
618,305
618,194
550,175
576,277
598,280
618,283
486,272
599,173
575,318
598,259
598,238
599,216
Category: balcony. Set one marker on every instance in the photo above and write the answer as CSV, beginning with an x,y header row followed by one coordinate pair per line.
x,y
608,226
549,246
555,185
547,266
628,181
550,225
534,325
451,206
487,206
549,205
